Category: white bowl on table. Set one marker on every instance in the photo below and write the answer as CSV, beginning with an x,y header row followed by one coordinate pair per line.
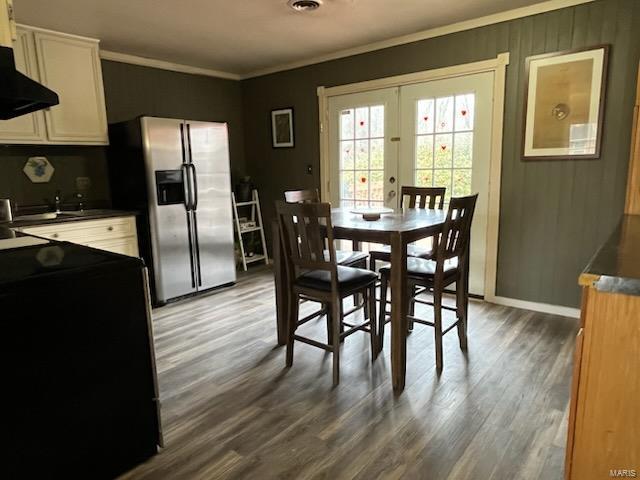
x,y
371,213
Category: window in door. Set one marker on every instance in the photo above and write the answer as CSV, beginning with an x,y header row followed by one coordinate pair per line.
x,y
444,143
361,143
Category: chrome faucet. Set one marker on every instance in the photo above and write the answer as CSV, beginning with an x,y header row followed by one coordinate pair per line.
x,y
80,198
58,201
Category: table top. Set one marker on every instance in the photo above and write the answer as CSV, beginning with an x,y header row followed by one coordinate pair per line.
x,y
409,220
615,267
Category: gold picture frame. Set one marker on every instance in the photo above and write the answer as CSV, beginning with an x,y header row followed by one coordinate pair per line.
x,y
564,104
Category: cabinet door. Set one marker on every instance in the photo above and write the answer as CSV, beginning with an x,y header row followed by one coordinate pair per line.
x,y
71,68
27,128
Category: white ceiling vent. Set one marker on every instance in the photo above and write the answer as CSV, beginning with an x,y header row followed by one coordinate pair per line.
x,y
305,5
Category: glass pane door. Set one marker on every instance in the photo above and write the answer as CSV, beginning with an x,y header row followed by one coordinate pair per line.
x,y
364,160
362,156
445,127
444,143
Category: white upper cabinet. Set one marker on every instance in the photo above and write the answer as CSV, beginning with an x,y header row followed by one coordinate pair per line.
x,y
27,128
70,66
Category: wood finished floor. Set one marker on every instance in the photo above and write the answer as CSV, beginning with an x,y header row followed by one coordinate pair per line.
x,y
231,410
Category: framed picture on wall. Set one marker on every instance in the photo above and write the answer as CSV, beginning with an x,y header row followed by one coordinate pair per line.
x,y
282,128
564,104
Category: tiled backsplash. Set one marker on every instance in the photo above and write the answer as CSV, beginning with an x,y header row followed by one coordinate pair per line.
x,y
70,163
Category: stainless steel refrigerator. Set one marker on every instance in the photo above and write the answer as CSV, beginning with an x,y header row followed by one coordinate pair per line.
x,y
176,172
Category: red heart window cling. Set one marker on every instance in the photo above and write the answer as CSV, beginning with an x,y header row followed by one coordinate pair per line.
x,y
363,179
426,118
362,123
443,147
463,112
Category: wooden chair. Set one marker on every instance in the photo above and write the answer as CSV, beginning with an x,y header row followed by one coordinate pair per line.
x,y
447,267
307,233
353,258
417,197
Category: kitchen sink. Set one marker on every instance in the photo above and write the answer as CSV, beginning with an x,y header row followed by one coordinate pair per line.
x,y
88,213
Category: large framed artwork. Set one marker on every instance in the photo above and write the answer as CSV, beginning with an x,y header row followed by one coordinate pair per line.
x,y
282,128
564,104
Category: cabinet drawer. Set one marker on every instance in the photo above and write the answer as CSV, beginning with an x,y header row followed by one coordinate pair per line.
x,y
87,231
124,246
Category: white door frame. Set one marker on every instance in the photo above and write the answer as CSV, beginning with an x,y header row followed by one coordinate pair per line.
x,y
497,65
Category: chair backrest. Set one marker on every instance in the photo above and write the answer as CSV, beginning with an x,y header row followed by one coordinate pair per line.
x,y
306,232
456,231
302,196
423,197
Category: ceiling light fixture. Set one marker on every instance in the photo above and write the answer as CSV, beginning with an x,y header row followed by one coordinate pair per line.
x,y
305,5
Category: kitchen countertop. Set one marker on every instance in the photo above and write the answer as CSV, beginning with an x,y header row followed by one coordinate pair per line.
x,y
50,258
70,216
615,268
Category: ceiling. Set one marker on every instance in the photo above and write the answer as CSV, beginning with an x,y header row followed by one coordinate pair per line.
x,y
246,36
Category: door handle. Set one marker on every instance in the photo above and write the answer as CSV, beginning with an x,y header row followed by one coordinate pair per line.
x,y
186,186
392,180
189,142
194,179
392,194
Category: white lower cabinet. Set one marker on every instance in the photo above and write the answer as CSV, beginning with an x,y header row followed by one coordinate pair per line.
x,y
117,235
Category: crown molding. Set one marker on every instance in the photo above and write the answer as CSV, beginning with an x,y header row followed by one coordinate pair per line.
x,y
163,65
534,9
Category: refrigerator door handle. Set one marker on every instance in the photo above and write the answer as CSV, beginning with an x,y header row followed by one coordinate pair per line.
x,y
194,179
189,142
186,187
192,261
197,247
185,170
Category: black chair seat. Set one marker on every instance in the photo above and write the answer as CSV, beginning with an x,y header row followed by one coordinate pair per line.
x,y
418,267
384,252
349,278
347,257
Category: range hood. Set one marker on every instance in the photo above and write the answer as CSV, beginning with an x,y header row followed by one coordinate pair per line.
x,y
19,94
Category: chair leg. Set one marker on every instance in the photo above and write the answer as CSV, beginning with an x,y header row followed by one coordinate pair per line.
x,y
462,298
336,311
437,315
294,309
382,313
329,324
358,298
372,322
341,320
411,293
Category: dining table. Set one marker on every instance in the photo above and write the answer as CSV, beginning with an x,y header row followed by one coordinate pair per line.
x,y
397,230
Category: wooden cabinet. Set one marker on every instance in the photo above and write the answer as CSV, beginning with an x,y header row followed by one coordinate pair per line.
x,y
7,23
604,421
27,128
116,235
70,66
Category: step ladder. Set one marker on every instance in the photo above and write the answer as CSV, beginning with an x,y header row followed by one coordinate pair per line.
x,y
252,224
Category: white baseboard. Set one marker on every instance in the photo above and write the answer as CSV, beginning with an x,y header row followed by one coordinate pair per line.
x,y
535,306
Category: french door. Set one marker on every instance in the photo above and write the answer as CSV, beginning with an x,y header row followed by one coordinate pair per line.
x,y
436,133
364,149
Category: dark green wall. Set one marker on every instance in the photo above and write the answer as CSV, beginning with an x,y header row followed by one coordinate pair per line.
x,y
553,214
130,91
